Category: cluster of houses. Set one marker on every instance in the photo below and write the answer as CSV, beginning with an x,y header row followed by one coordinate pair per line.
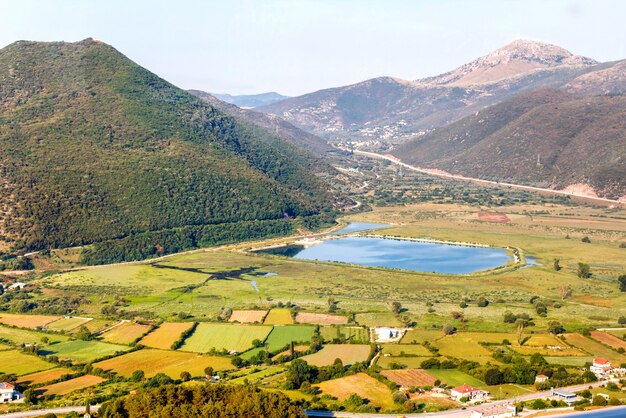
x,y
8,392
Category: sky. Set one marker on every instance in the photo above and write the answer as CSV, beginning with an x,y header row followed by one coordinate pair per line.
x,y
299,46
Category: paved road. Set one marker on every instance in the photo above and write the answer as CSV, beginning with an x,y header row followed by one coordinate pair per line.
x,y
40,412
439,173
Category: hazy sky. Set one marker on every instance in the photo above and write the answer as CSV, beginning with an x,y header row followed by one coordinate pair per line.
x,y
299,46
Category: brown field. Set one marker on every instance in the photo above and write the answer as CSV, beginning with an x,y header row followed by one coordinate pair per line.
x,y
409,377
493,217
125,333
594,348
320,319
247,317
348,353
63,388
171,363
608,339
165,335
43,377
361,384
27,321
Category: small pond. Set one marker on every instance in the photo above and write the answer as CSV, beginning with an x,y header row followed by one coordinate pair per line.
x,y
401,254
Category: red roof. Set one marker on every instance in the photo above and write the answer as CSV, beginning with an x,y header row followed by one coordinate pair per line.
x,y
5,385
541,376
598,360
465,389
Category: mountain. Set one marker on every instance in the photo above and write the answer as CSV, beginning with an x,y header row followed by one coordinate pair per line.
x,y
388,109
251,100
94,147
547,138
279,127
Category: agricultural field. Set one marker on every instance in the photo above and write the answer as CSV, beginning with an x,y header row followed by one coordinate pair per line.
x,y
408,362
320,319
43,377
65,387
453,377
83,351
224,337
405,350
278,316
460,346
18,363
347,333
247,316
594,348
125,333
172,363
348,353
361,384
281,336
67,324
578,361
165,335
259,376
27,321
24,336
409,377
608,339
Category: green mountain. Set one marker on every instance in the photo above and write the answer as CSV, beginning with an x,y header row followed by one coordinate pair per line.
x,y
96,148
547,138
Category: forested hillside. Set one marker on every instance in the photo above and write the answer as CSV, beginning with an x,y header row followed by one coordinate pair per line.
x,y
94,147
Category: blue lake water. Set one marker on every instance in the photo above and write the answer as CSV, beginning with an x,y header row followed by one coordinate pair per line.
x,y
358,227
401,254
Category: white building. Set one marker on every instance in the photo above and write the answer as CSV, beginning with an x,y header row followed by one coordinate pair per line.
x,y
568,397
469,392
8,392
495,411
600,367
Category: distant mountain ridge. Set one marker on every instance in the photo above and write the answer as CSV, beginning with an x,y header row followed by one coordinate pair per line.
x,y
273,123
95,148
251,100
387,109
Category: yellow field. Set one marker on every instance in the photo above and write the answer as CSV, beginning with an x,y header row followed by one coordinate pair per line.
x,y
172,363
165,335
125,333
18,363
279,316
63,388
43,377
27,321
67,323
348,353
247,317
363,385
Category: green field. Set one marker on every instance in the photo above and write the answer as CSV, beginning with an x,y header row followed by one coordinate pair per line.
x,y
280,336
125,333
172,363
453,377
68,323
23,336
407,362
405,350
577,361
224,337
15,362
83,351
344,332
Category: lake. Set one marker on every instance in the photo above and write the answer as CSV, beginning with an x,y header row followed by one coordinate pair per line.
x,y
401,254
358,227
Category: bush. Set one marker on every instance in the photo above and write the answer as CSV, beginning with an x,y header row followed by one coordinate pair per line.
x,y
586,240
482,302
584,271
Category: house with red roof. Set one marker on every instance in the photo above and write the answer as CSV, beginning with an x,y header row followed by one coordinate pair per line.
x,y
468,392
8,393
600,367
540,378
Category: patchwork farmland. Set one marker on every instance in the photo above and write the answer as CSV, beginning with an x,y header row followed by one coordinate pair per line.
x,y
224,337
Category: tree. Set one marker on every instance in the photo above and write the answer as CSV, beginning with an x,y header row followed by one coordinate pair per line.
x,y
448,329
137,376
332,304
396,307
185,376
599,401
621,320
541,309
299,372
586,240
257,343
584,271
555,327
494,377
622,283
565,291
482,302
556,264
83,334
159,379
209,371
29,397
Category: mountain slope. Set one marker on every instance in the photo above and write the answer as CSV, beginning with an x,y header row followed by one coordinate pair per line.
x,y
279,127
546,138
388,109
94,147
251,100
